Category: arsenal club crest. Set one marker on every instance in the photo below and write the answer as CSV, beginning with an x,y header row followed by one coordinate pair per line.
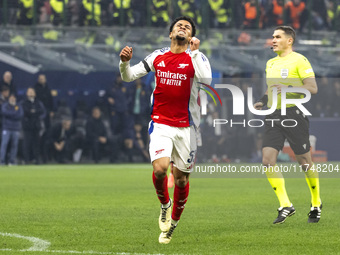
x,y
284,73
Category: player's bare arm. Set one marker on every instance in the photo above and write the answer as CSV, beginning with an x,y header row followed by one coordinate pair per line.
x,y
310,84
126,54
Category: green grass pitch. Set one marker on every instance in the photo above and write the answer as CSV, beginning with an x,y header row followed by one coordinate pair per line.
x,y
113,209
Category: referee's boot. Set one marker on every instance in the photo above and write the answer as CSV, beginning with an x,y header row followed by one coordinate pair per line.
x,y
165,218
284,212
315,214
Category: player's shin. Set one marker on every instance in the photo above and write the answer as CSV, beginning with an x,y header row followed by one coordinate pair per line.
x,y
161,186
180,198
312,179
277,182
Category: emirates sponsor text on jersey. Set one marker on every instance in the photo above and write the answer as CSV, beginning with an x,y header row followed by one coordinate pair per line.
x,y
169,78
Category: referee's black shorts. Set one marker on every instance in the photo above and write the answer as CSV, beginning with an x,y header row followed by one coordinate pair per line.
x,y
298,136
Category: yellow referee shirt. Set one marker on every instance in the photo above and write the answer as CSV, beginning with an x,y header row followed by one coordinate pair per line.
x,y
289,70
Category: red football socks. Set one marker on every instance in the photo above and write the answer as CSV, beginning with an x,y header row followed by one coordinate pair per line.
x,y
180,198
161,186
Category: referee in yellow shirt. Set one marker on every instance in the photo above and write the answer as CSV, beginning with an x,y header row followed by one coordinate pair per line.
x,y
288,69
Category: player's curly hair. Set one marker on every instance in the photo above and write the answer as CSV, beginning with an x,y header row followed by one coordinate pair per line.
x,y
288,31
192,23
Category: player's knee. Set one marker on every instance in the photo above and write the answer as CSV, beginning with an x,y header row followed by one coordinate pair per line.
x,y
160,172
304,167
181,182
305,161
305,164
267,162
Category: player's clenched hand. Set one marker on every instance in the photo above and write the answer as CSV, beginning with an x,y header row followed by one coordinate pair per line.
x,y
258,105
194,44
126,54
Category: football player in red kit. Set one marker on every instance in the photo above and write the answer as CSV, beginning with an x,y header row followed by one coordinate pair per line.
x,y
175,113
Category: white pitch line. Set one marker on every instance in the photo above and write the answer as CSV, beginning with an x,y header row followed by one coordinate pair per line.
x,y
38,244
84,252
42,245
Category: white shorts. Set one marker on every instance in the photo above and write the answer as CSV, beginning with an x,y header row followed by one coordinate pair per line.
x,y
177,143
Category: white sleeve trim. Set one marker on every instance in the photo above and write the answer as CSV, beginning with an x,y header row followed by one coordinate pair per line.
x,y
129,73
202,66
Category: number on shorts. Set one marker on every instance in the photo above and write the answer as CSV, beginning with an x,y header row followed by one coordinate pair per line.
x,y
192,156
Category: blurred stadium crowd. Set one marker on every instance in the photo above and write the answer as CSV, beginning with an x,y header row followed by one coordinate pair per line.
x,y
36,129
248,14
113,127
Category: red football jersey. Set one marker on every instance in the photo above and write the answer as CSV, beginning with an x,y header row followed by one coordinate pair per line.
x,y
175,99
174,75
